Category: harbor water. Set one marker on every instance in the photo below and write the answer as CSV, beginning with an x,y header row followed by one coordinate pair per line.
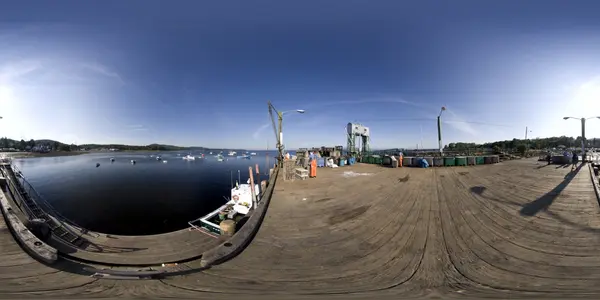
x,y
149,197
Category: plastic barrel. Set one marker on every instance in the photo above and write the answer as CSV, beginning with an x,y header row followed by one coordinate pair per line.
x,y
449,161
342,162
438,162
479,160
471,160
461,161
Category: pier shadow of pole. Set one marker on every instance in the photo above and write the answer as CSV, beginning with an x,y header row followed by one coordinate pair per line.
x,y
542,203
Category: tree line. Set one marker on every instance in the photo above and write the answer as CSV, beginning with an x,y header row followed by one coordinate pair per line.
x,y
538,143
51,145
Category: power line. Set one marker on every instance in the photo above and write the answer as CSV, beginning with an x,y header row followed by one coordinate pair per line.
x,y
432,119
480,123
396,120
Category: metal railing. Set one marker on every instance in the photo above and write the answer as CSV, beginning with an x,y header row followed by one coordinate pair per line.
x,y
46,205
28,201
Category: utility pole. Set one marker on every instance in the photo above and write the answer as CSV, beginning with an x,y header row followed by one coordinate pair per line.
x,y
582,133
439,126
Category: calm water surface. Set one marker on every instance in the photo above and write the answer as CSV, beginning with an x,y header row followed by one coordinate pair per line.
x,y
149,197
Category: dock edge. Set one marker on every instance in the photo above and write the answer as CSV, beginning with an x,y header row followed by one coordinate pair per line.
x,y
595,182
28,241
237,243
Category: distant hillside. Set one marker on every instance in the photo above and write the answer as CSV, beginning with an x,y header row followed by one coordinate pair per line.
x,y
45,145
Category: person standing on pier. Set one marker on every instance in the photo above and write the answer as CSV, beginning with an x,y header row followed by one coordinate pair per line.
x,y
575,160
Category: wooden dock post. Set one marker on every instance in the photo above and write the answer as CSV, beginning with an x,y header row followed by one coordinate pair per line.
x,y
252,188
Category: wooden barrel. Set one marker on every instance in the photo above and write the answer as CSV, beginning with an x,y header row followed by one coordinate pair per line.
x,y
227,227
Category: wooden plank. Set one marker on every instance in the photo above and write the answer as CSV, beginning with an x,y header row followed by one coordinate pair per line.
x,y
515,230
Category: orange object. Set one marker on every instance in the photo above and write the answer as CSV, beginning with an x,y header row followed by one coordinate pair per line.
x,y
313,168
400,161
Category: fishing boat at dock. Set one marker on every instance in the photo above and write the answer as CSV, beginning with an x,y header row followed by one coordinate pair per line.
x,y
236,209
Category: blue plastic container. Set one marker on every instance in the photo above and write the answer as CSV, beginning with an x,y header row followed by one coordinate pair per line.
x,y
342,162
320,162
351,160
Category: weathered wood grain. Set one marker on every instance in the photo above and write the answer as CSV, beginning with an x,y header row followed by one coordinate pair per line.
x,y
517,230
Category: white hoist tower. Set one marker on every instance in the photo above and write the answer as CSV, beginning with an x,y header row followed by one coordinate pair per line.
x,y
357,130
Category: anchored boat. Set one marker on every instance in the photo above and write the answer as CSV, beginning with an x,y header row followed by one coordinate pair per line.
x,y
236,208
189,157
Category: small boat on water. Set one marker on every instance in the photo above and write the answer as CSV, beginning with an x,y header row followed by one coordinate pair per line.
x,y
112,159
253,153
189,157
133,161
244,157
220,157
236,208
231,153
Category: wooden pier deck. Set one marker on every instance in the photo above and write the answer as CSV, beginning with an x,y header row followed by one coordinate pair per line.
x,y
518,229
148,250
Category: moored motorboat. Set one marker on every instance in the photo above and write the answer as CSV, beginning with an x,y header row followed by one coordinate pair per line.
x,y
236,209
189,157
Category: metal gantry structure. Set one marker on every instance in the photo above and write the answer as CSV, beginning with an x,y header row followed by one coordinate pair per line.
x,y
354,131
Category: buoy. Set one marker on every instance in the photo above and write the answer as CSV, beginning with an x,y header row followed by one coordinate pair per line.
x,y
97,165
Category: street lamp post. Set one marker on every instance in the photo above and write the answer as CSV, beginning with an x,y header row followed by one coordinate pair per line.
x,y
279,128
582,132
439,127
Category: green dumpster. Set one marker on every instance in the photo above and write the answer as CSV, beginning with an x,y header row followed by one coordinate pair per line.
x,y
378,160
461,161
449,161
479,160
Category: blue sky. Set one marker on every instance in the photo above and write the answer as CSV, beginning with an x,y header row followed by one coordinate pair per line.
x,y
201,72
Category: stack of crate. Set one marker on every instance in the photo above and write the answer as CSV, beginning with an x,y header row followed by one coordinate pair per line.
x,y
301,173
289,170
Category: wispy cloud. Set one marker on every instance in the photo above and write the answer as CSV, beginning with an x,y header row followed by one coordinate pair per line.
x,y
12,71
259,130
137,127
368,100
257,133
104,71
459,123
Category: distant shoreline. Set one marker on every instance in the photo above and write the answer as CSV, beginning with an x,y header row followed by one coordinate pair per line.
x,y
18,155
